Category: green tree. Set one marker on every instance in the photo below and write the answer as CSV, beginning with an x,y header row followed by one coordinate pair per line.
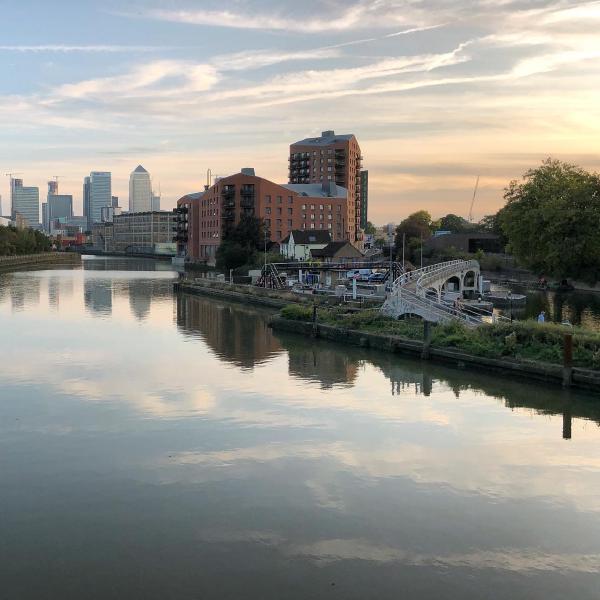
x,y
370,228
416,228
22,241
551,220
455,224
241,244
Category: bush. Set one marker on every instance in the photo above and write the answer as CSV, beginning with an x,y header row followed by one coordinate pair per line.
x,y
525,340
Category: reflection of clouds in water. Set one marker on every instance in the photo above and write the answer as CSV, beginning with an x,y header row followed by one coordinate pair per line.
x,y
520,560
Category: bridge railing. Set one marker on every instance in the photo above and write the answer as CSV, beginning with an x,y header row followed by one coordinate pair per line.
x,y
444,271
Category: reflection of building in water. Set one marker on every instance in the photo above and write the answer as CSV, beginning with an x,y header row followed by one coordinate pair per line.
x,y
142,292
97,295
54,292
140,297
321,362
24,291
234,333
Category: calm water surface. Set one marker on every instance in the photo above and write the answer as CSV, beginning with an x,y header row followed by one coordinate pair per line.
x,y
157,446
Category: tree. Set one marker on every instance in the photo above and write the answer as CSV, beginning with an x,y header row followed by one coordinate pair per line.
x,y
551,220
370,228
415,228
241,244
22,241
455,224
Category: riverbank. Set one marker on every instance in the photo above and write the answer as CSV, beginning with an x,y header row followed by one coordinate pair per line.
x,y
251,294
447,343
10,263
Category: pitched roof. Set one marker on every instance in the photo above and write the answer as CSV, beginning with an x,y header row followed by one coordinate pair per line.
x,y
332,249
311,236
140,169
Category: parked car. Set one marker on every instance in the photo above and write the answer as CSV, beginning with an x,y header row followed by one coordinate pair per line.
x,y
377,277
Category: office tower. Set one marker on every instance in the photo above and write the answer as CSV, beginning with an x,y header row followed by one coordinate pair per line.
x,y
1,213
115,201
25,202
45,217
96,194
140,191
155,202
335,158
60,206
52,188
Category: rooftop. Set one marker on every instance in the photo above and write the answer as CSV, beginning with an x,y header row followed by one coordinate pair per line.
x,y
327,137
140,169
316,190
311,236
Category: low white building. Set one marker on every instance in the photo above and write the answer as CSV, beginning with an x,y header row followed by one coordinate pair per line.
x,y
298,245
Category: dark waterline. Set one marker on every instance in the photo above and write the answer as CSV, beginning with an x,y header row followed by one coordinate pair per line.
x,y
158,446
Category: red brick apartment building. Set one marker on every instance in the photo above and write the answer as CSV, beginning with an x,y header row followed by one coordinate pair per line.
x,y
321,206
335,158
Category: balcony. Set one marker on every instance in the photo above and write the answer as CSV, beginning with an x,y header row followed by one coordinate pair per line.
x,y
229,204
247,202
229,216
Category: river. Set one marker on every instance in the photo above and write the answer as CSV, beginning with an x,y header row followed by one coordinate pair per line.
x,y
163,446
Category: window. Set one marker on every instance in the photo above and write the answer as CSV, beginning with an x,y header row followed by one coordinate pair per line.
x,y
320,207
278,210
279,235
290,199
304,207
290,211
312,225
321,226
279,199
268,210
312,207
330,217
304,216
329,226
279,222
268,199
268,222
289,222
312,216
321,217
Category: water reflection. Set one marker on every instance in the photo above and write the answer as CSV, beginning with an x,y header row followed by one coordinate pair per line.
x,y
579,308
178,448
234,333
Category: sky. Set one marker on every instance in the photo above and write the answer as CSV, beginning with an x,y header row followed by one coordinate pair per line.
x,y
437,92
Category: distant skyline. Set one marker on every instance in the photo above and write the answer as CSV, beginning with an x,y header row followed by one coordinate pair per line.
x,y
437,92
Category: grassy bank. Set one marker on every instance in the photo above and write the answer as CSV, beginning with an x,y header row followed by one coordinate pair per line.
x,y
524,340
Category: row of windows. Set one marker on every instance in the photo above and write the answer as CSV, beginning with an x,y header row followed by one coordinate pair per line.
x,y
290,199
321,217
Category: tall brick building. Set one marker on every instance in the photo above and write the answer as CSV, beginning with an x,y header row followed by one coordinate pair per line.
x,y
210,214
335,158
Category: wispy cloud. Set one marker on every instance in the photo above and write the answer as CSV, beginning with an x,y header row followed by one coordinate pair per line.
x,y
67,48
360,15
254,59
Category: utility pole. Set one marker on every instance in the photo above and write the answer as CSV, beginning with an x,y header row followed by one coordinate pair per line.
x,y
421,251
265,267
403,244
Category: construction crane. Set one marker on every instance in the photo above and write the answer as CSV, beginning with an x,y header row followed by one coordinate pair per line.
x,y
473,200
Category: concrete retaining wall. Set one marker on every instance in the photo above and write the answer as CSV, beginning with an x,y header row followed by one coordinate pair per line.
x,y
10,263
582,378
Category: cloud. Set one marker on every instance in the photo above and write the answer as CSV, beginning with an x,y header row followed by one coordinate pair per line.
x,y
156,79
66,49
361,15
255,59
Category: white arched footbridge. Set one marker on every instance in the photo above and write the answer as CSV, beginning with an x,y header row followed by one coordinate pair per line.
x,y
420,292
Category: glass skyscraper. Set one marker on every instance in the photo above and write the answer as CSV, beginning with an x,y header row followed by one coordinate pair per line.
x,y
97,193
25,202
